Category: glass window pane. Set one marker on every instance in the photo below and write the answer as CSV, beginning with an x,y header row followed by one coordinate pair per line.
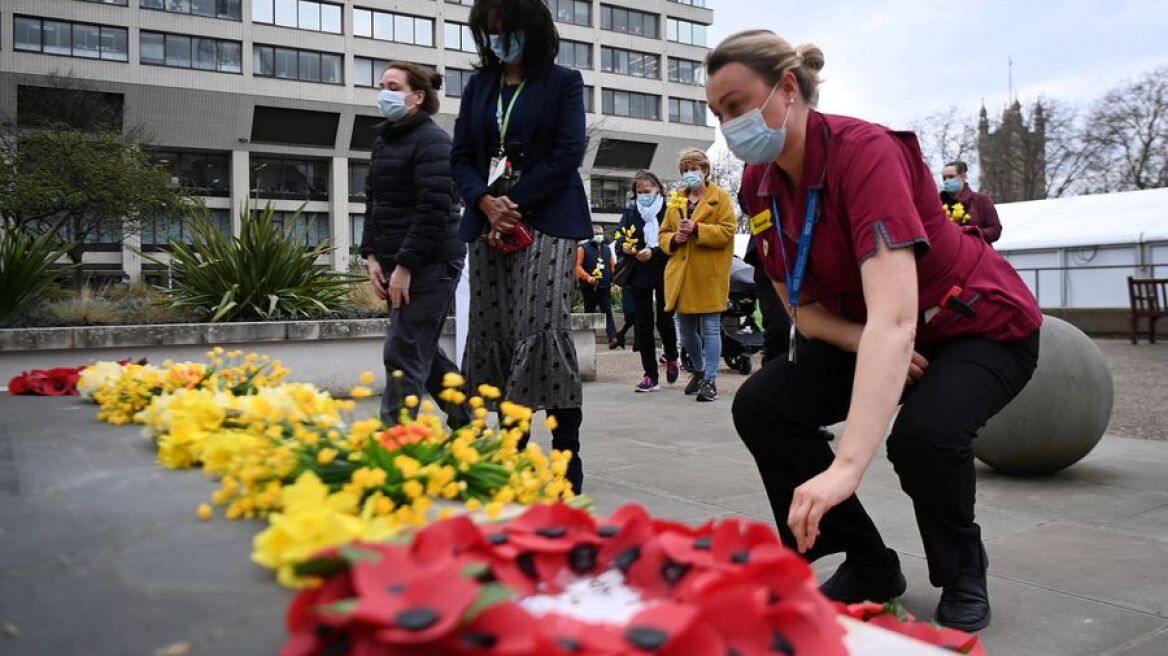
x,y
403,29
605,18
362,72
203,7
230,9
86,41
621,103
114,46
671,29
331,69
264,61
424,32
583,13
383,26
699,35
230,57
26,33
468,42
620,20
204,56
152,4
330,18
153,48
309,15
178,51
310,66
450,32
261,11
286,63
179,6
286,13
362,22
58,38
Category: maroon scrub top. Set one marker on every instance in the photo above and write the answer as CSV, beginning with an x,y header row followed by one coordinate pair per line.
x,y
875,185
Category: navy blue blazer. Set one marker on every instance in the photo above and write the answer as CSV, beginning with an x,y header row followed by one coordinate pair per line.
x,y
549,193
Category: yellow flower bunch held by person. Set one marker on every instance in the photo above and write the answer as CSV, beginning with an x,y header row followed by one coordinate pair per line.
x,y
627,236
957,214
678,201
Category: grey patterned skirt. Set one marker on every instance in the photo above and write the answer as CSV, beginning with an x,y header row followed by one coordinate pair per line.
x,y
519,335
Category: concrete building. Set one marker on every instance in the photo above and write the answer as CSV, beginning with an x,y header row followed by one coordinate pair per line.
x,y
257,101
1013,157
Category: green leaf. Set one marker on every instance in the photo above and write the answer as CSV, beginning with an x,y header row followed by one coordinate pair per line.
x,y
489,595
342,608
322,567
356,555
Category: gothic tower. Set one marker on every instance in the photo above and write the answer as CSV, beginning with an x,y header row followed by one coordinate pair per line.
x,y
1013,157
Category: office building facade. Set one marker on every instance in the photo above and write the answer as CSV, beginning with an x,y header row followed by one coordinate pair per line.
x,y
252,102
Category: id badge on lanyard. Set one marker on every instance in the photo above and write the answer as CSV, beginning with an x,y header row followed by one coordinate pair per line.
x,y
503,121
795,278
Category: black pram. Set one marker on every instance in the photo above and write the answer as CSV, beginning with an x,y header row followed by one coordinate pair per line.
x,y
741,334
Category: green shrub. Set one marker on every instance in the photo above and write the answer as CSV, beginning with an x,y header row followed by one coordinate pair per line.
x,y
26,269
262,274
85,308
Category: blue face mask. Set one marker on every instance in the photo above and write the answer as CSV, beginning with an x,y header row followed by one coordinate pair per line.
x,y
691,179
751,139
646,200
392,104
952,186
510,51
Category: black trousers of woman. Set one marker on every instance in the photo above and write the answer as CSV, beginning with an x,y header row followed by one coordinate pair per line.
x,y
779,410
646,317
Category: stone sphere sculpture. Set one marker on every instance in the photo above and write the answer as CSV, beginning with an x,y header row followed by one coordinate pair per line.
x,y
1060,415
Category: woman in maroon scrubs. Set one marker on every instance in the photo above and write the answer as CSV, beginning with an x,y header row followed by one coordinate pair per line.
x,y
893,303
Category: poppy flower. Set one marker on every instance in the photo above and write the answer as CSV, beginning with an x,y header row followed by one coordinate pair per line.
x,y
505,629
671,629
310,632
552,528
581,638
419,610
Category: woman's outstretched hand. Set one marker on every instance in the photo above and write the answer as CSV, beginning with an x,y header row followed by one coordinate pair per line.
x,y
814,498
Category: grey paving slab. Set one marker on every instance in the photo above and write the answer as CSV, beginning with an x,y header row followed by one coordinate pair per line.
x,y
1155,644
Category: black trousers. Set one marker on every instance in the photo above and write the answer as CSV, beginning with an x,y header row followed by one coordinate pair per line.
x,y
776,323
566,437
600,298
411,342
646,317
779,410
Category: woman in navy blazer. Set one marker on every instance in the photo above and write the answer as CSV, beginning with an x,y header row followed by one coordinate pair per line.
x,y
522,106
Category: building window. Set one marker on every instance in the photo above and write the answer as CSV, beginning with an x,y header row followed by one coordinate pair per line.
x,y
300,14
399,28
630,21
575,54
179,51
615,102
609,194
686,71
204,174
304,65
589,92
683,31
310,227
459,37
358,171
160,231
83,40
630,62
692,3
577,12
211,8
682,110
367,72
624,154
109,2
289,179
357,225
455,82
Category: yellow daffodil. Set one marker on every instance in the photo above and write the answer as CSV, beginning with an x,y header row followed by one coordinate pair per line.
x,y
367,378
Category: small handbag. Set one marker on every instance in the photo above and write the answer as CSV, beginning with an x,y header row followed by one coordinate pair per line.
x,y
623,271
519,239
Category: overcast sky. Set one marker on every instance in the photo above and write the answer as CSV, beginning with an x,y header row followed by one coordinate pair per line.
x,y
890,60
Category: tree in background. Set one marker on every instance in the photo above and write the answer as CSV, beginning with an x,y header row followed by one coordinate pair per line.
x,y
1128,130
947,136
726,172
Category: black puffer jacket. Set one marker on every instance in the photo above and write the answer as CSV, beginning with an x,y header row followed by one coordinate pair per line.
x,y
411,206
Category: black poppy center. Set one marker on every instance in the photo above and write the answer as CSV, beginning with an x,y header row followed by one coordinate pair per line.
x,y
647,638
417,619
552,532
780,644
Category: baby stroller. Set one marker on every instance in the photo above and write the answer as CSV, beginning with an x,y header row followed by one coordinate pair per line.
x,y
741,334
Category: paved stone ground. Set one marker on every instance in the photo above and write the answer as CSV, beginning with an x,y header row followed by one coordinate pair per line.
x,y
100,551
1139,372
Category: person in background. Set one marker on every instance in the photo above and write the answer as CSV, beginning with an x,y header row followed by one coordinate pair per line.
x,y
699,238
638,237
629,314
519,142
594,266
965,206
893,303
410,241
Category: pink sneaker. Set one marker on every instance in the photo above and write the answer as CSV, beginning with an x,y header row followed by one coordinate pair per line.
x,y
647,384
672,372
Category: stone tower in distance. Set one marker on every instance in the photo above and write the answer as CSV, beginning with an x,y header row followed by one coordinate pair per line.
x,y
1013,157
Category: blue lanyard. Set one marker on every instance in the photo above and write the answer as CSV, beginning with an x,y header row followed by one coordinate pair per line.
x,y
795,278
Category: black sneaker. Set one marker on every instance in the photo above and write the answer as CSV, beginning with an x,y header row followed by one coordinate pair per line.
x,y
695,381
877,581
647,384
671,372
708,391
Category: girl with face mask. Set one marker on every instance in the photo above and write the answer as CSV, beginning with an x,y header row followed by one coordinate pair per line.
x,y
518,144
699,238
890,303
410,240
638,240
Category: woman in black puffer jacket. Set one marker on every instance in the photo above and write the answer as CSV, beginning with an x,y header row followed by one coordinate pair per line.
x,y
410,243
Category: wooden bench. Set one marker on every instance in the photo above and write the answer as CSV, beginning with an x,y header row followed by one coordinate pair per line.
x,y
1149,298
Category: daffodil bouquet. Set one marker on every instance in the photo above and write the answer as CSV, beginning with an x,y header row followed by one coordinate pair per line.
x,y
628,238
957,213
678,201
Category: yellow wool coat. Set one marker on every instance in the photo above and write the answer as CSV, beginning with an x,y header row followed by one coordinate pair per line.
x,y
697,276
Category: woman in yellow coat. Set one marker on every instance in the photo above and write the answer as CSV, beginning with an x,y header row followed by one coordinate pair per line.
x,y
698,235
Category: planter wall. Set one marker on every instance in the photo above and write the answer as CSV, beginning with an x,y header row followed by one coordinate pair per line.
x,y
329,354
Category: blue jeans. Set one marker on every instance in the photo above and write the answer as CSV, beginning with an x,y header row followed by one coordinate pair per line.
x,y
701,334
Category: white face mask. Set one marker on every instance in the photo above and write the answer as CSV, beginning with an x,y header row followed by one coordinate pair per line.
x,y
751,139
392,104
